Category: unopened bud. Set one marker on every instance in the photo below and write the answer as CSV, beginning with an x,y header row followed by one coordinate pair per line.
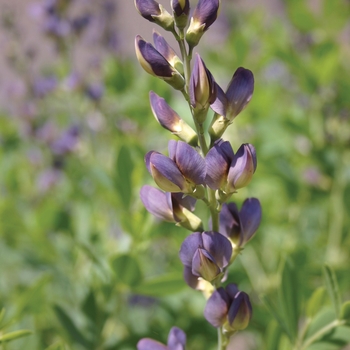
x,y
202,89
154,12
204,16
181,9
155,64
170,120
242,168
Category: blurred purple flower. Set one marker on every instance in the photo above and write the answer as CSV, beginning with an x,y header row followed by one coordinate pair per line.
x,y
95,91
44,85
228,307
67,142
205,255
176,341
48,179
56,26
240,226
78,24
180,172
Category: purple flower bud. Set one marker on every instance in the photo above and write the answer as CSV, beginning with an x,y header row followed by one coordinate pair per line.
x,y
181,172
154,12
242,168
205,255
218,161
176,341
95,91
202,87
155,64
170,120
148,9
172,207
228,307
44,85
240,226
167,52
228,105
181,10
204,16
180,7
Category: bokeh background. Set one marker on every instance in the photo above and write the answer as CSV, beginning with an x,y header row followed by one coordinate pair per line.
x,y
82,264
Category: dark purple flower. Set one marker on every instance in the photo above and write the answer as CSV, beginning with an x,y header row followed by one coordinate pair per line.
x,y
176,341
238,94
172,207
204,15
180,172
170,120
205,255
228,307
202,87
95,91
228,171
240,226
155,63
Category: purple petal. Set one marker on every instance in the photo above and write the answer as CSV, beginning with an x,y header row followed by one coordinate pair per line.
x,y
163,47
232,290
215,311
190,163
229,221
148,8
187,202
166,174
250,215
218,160
150,344
204,265
156,203
240,311
176,339
189,247
220,103
239,91
218,246
206,12
190,278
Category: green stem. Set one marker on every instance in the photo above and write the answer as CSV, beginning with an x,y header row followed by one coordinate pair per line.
x,y
320,333
221,345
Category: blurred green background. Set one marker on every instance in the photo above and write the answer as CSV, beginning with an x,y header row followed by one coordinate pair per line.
x,y
82,264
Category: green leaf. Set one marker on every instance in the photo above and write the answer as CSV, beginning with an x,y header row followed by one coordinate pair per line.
x,y
127,270
72,330
316,302
345,311
89,307
14,335
162,285
288,298
124,169
320,320
332,288
275,313
273,336
2,315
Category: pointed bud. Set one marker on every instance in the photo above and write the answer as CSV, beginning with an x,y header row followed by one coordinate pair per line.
x,y
239,92
170,120
155,64
204,16
154,12
240,312
167,52
242,168
181,10
202,89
